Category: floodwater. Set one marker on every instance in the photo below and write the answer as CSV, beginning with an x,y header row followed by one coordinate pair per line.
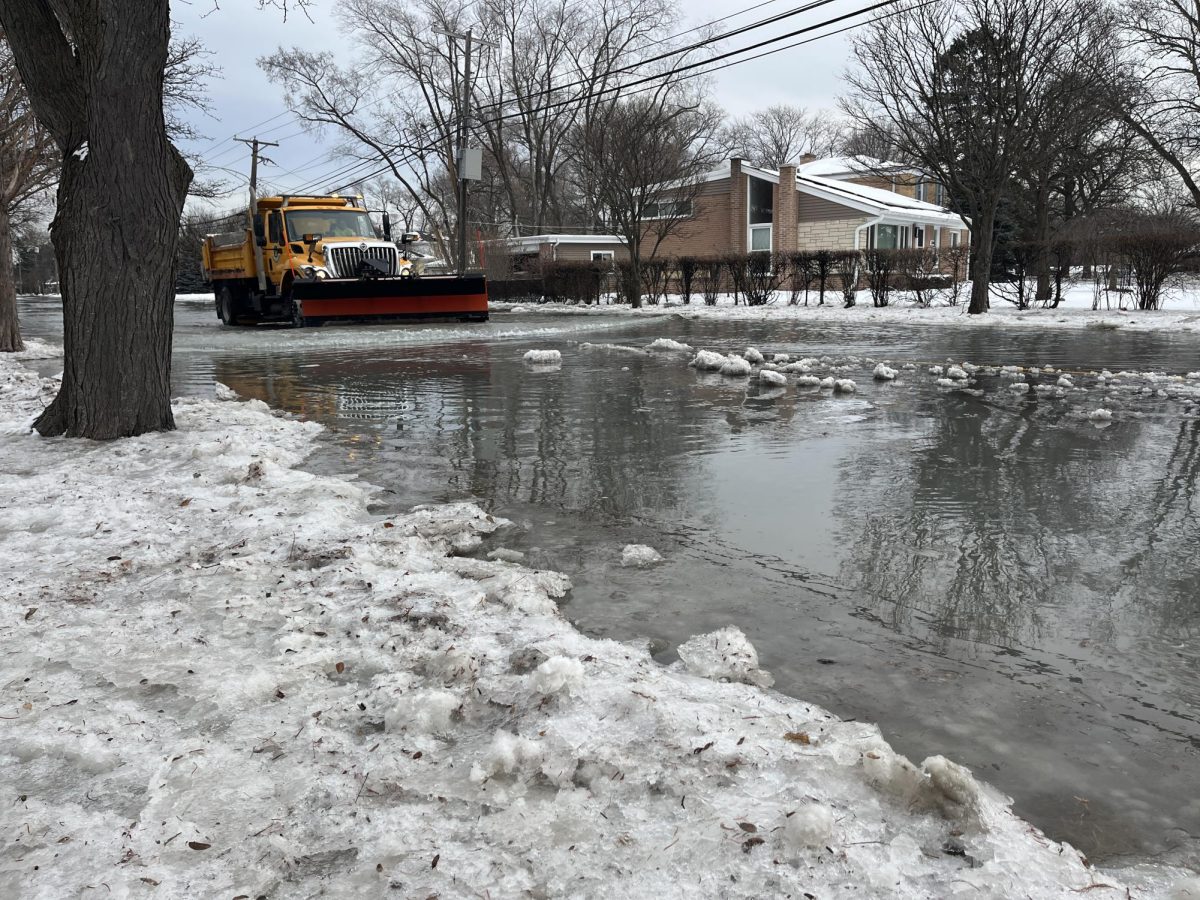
x,y
994,578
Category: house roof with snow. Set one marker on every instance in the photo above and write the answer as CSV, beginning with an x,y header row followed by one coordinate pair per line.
x,y
842,167
890,205
533,242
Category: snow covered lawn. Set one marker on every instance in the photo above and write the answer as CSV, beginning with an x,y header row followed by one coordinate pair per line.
x,y
226,677
1181,312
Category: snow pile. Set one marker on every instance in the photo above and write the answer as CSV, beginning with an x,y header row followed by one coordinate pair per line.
x,y
236,680
883,372
38,349
1101,415
542,357
736,367
808,381
666,344
936,370
844,386
224,391
827,383
753,355
780,358
559,674
723,655
957,373
708,361
1065,382
1019,387
767,376
639,556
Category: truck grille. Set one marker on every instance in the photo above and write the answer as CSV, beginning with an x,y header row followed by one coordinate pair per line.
x,y
345,260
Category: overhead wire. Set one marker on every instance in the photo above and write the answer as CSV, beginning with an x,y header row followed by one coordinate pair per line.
x,y
654,81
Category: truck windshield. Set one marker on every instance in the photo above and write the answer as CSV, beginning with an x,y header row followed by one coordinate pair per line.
x,y
335,223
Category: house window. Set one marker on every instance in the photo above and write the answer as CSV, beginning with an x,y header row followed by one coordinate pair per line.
x,y
954,239
602,255
760,238
885,237
667,209
760,214
918,233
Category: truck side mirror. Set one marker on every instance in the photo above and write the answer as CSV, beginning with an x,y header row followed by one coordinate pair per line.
x,y
260,232
387,227
411,237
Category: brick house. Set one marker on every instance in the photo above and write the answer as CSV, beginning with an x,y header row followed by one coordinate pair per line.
x,y
836,204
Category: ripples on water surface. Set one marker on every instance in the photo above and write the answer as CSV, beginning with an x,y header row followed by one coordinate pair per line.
x,y
990,577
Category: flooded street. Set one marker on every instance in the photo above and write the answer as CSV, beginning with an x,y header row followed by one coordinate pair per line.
x,y
990,577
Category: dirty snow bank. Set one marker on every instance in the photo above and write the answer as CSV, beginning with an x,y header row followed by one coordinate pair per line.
x,y
225,676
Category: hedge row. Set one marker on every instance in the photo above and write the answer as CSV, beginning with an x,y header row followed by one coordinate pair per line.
x,y
752,278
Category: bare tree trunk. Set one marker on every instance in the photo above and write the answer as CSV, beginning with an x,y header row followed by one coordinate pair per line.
x,y
982,240
10,327
1042,262
119,202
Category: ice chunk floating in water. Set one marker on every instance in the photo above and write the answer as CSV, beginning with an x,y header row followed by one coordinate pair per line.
x,y
543,357
639,556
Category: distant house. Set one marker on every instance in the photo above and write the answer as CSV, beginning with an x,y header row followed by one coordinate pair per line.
x,y
837,203
600,248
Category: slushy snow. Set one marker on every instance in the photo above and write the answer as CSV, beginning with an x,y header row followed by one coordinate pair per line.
x,y
543,357
884,372
666,344
227,676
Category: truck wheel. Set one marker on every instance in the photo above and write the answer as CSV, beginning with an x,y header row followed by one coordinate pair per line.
x,y
225,307
297,311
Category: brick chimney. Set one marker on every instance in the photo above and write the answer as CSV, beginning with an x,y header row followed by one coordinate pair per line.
x,y
787,212
738,187
807,158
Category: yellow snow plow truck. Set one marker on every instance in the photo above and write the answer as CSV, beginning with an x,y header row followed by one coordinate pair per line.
x,y
309,260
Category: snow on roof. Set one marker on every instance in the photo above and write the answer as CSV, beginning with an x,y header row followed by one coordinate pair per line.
x,y
877,201
534,241
851,166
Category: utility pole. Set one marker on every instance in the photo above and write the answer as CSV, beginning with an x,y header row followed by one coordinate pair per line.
x,y
464,132
255,144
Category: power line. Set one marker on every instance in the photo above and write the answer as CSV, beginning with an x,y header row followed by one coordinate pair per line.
x,y
651,82
632,66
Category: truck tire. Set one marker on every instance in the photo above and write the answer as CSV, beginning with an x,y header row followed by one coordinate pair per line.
x,y
225,307
296,310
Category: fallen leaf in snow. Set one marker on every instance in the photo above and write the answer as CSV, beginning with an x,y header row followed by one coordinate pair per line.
x,y
341,667
748,826
436,857
198,845
798,737
29,612
186,501
750,843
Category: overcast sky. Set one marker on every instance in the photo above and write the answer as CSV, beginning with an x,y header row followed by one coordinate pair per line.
x,y
245,103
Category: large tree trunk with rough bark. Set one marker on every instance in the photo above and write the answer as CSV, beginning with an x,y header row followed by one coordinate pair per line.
x,y
119,202
10,327
982,240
